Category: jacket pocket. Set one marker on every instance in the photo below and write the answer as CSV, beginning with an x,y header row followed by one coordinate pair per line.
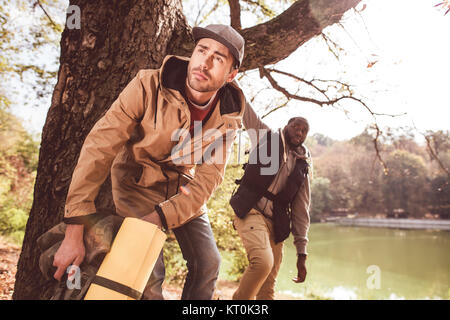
x,y
148,176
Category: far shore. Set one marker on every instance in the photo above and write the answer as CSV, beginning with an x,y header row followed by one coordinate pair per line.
x,y
400,223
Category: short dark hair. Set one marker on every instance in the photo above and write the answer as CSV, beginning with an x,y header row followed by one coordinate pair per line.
x,y
301,119
235,64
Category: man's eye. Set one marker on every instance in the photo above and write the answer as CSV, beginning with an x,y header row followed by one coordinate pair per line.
x,y
219,59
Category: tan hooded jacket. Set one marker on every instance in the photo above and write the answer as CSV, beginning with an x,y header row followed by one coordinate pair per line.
x,y
138,141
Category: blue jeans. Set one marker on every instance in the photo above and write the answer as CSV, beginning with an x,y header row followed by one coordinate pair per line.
x,y
199,249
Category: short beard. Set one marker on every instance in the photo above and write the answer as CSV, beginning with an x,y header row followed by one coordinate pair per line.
x,y
208,88
200,89
294,145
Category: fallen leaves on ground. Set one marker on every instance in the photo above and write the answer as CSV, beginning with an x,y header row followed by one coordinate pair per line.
x,y
9,255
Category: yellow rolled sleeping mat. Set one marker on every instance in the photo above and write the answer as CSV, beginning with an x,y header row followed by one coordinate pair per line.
x,y
127,267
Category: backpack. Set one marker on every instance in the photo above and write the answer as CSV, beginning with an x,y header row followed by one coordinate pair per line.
x,y
98,239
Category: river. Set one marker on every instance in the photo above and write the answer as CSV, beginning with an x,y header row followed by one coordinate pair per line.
x,y
370,263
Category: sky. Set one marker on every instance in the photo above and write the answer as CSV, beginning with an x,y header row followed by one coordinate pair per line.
x,y
407,39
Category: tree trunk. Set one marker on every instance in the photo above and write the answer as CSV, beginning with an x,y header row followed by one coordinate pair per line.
x,y
116,39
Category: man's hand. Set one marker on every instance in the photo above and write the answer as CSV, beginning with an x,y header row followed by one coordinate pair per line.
x,y
301,269
71,251
153,218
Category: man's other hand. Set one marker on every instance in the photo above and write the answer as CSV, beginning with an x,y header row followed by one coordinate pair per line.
x,y
301,269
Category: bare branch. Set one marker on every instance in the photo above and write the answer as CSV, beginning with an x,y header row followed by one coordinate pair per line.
x,y
298,79
235,14
38,3
353,40
332,46
256,94
276,108
358,13
377,149
433,151
261,5
265,72
433,154
200,13
214,8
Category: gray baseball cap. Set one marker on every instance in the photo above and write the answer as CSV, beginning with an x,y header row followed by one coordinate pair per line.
x,y
224,34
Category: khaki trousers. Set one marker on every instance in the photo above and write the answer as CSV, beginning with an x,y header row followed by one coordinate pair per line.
x,y
264,257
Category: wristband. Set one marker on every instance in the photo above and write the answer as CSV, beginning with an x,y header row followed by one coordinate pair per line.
x,y
162,217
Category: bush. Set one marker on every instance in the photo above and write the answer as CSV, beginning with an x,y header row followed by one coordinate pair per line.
x,y
321,197
13,222
18,163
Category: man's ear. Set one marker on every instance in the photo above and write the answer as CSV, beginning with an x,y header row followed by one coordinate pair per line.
x,y
232,75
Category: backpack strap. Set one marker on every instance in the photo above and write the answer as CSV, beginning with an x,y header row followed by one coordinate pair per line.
x,y
118,287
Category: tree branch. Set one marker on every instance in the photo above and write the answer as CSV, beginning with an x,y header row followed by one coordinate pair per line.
x,y
377,149
216,5
38,3
266,73
310,83
434,155
274,40
270,42
433,151
262,6
235,14
199,13
332,46
276,108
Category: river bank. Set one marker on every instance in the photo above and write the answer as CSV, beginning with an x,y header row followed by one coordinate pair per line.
x,y
423,224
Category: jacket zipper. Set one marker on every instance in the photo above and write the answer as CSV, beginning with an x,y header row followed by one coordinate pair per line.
x,y
156,107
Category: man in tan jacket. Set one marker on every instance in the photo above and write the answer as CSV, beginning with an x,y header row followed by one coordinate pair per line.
x,y
255,222
165,141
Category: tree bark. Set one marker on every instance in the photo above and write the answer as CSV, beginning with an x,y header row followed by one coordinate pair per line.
x,y
235,14
116,39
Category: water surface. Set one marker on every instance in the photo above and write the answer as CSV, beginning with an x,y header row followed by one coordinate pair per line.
x,y
403,264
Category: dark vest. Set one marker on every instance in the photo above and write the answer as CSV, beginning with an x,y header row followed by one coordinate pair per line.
x,y
253,185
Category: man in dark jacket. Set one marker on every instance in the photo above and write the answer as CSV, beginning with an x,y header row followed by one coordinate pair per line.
x,y
257,210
